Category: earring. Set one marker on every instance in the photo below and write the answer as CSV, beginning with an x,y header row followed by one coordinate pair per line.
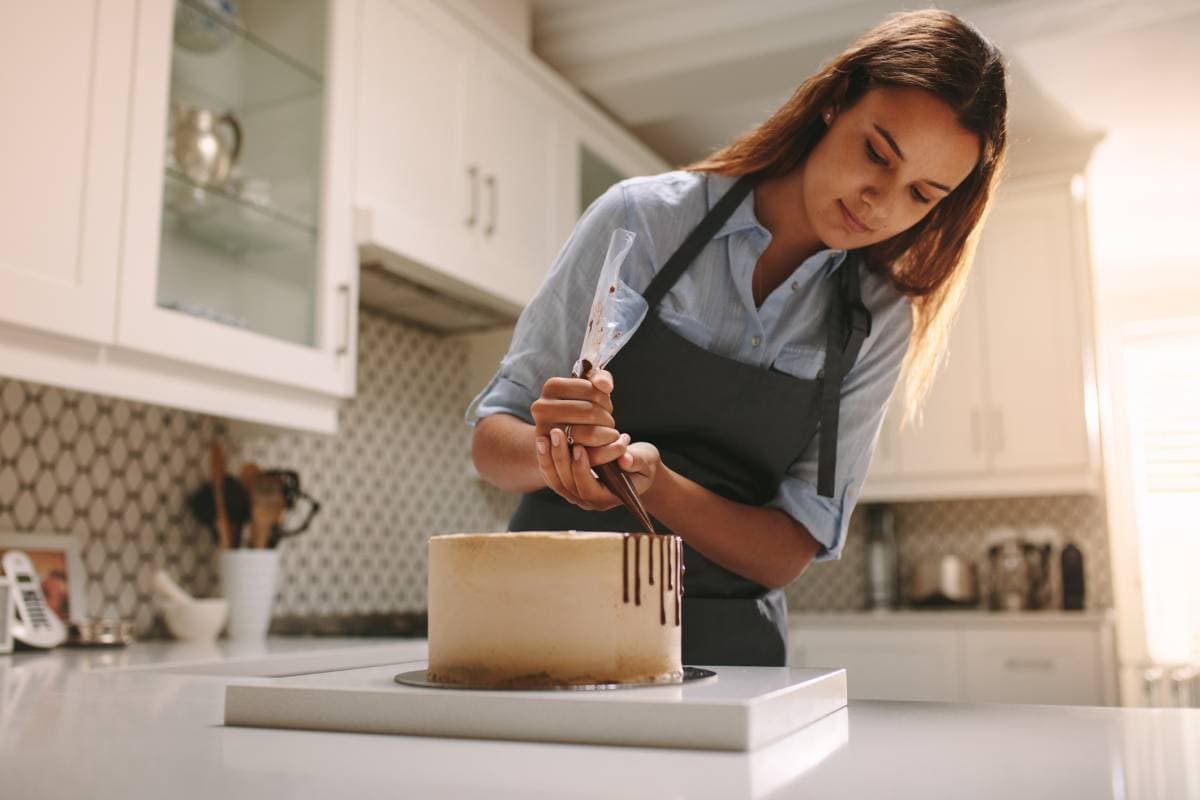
x,y
828,117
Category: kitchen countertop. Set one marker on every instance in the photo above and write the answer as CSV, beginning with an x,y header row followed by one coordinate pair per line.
x,y
948,616
83,723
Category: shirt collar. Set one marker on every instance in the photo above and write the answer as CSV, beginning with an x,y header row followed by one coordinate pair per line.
x,y
744,218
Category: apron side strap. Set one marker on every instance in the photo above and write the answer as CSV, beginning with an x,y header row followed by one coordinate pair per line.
x,y
849,326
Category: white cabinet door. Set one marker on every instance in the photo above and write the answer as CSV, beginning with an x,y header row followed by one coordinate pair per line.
x,y
513,125
64,85
415,185
882,664
321,302
949,442
1034,334
1030,666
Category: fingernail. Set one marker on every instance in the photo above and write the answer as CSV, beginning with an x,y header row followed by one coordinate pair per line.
x,y
625,438
578,454
541,445
556,436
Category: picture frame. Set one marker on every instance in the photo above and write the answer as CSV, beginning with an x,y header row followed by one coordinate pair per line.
x,y
56,560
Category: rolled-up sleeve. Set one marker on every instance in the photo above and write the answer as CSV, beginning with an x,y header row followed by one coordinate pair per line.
x,y
550,330
866,393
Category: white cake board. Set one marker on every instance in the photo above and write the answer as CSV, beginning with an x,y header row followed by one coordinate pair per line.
x,y
742,709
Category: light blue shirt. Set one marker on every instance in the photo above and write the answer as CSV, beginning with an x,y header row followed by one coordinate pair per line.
x,y
712,306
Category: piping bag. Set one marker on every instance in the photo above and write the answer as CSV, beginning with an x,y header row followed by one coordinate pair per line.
x,y
611,321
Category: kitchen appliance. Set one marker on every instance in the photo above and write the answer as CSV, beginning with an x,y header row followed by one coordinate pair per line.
x,y
33,622
1071,575
1018,570
945,581
881,557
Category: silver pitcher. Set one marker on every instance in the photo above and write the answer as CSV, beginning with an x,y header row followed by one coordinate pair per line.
x,y
206,143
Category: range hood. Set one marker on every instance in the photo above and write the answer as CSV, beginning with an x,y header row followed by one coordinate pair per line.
x,y
384,290
400,282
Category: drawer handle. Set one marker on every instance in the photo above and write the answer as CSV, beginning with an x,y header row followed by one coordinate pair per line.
x,y
473,177
490,182
344,343
1038,664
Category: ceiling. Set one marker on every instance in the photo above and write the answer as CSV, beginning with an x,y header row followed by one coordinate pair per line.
x,y
687,76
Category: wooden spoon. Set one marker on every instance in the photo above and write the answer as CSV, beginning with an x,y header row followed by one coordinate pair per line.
x,y
216,472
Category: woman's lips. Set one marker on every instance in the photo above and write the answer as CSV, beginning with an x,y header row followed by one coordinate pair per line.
x,y
852,221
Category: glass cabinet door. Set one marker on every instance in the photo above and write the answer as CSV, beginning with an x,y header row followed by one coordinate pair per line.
x,y
242,174
595,176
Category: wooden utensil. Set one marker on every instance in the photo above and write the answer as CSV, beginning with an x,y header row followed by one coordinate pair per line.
x,y
268,508
249,475
617,481
216,471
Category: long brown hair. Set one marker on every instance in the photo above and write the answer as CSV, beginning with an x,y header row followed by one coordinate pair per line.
x,y
931,50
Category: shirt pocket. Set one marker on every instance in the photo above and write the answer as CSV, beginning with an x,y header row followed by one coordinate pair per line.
x,y
687,326
800,361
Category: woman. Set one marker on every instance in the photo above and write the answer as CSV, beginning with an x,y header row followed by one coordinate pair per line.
x,y
788,278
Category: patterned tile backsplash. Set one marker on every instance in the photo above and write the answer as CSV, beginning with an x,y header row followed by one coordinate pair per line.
x,y
115,476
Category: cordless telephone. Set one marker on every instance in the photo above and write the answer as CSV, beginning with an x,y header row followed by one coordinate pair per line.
x,y
33,622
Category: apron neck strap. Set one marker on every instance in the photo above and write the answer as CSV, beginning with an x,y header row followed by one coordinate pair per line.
x,y
698,238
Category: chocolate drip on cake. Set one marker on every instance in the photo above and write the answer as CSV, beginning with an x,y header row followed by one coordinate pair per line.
x,y
650,555
637,569
678,546
625,568
662,598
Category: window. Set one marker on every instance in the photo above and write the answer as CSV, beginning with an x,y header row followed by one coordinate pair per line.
x,y
1163,391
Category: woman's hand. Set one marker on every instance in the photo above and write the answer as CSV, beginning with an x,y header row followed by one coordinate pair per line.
x,y
586,406
568,470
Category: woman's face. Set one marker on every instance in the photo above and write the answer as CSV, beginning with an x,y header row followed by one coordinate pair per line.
x,y
884,163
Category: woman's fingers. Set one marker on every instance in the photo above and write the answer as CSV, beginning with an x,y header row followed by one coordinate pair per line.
x,y
548,413
602,379
578,389
560,454
593,494
608,452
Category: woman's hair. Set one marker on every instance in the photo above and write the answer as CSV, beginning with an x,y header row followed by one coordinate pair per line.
x,y
931,50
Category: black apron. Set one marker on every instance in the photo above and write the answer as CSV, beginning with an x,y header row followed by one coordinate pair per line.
x,y
733,428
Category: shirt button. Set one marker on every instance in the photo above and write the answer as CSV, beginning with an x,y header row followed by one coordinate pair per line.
x,y
756,341
795,286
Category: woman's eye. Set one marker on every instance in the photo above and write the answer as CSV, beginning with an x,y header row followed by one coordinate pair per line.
x,y
874,156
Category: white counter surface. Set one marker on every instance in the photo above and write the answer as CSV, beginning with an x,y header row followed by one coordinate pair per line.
x,y
113,724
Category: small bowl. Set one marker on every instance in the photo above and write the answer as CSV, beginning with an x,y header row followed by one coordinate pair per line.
x,y
196,620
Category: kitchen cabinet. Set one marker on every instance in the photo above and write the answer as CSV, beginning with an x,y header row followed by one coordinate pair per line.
x,y
463,198
964,656
63,147
475,199
260,285
1012,411
125,274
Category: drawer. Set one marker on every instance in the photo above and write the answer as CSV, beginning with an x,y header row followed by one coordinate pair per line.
x,y
885,664
1048,666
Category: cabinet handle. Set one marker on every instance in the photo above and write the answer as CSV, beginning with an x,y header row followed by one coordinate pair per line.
x,y
490,182
997,430
976,440
1040,664
344,343
473,179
